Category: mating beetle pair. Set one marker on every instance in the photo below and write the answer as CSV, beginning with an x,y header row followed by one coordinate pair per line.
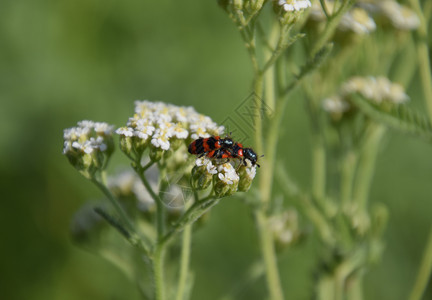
x,y
219,148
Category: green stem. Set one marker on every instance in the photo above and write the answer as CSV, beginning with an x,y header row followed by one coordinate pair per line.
x,y
158,272
258,90
159,203
425,72
191,215
367,165
424,272
184,262
250,46
423,56
119,209
355,290
347,177
318,168
269,256
331,25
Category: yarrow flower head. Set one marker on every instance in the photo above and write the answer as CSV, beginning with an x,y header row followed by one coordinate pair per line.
x,y
285,228
336,106
227,178
399,16
356,20
289,11
163,127
88,146
376,89
294,5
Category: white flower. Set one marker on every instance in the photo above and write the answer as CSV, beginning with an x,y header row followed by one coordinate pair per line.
x,y
376,89
358,21
251,172
294,5
227,174
144,129
401,16
86,124
335,104
103,128
160,138
205,161
179,132
125,131
86,138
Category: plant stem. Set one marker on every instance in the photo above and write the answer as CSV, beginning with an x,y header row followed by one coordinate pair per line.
x,y
158,272
318,168
184,261
159,203
331,25
367,165
347,177
424,271
120,211
423,55
192,214
269,256
258,90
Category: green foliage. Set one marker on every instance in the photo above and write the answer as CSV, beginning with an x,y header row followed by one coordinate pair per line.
x,y
401,117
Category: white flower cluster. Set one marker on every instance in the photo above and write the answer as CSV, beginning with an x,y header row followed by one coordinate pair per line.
x,y
400,16
225,172
285,227
227,178
360,20
379,90
159,122
294,5
356,20
376,89
87,137
335,105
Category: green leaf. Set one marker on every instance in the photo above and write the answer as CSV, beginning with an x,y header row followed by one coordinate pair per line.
x,y
401,117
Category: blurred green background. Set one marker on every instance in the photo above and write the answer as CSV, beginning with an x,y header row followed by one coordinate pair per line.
x,y
63,61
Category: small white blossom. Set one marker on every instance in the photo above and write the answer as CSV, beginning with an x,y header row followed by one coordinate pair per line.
x,y
85,137
160,138
103,128
251,172
357,20
205,161
335,104
126,131
376,89
401,16
294,5
179,132
227,174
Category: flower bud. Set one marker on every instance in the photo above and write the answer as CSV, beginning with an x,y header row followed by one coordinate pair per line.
x,y
156,154
201,178
88,146
246,174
